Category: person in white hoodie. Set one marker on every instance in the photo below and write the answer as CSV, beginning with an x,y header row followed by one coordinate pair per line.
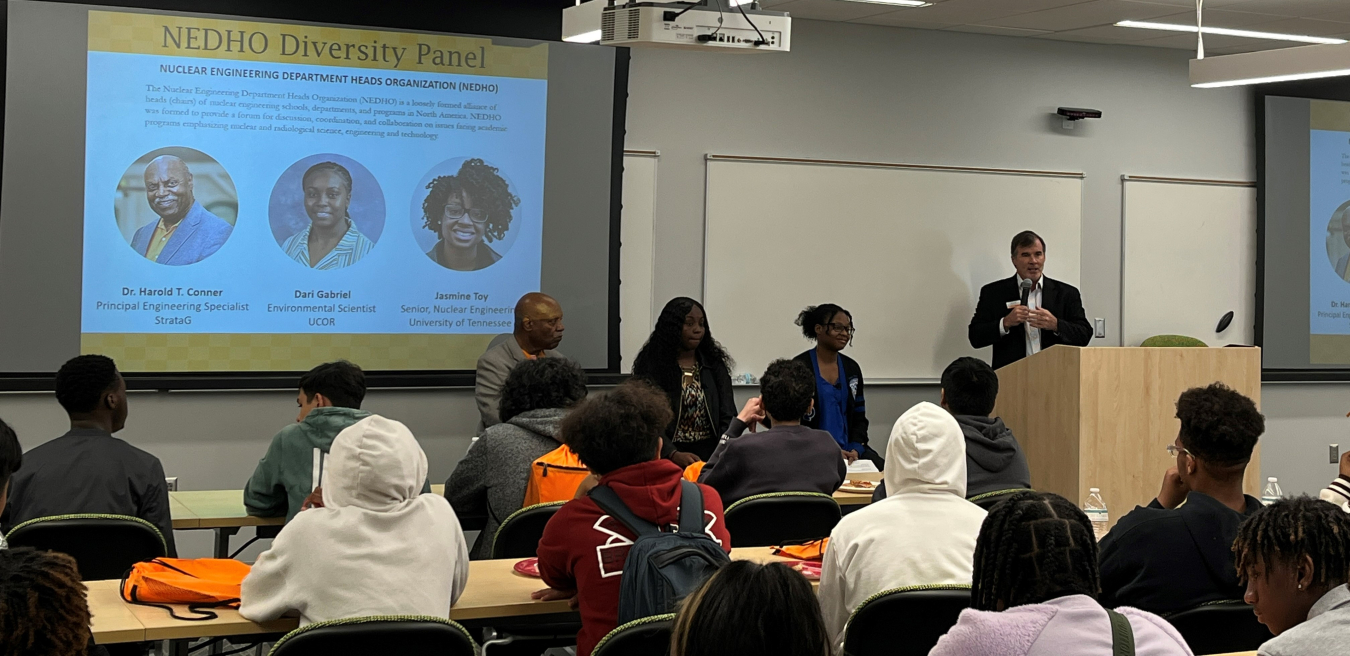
x,y
376,546
923,533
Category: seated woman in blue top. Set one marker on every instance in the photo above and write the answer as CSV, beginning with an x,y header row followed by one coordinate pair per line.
x,y
840,408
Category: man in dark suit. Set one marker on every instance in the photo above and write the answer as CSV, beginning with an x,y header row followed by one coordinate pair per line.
x,y
1053,313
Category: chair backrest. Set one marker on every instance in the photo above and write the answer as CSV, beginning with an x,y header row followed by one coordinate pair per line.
x,y
406,635
904,621
779,518
988,500
1157,341
1220,627
518,536
103,546
649,636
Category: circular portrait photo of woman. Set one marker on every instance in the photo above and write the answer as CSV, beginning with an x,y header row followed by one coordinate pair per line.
x,y
327,212
463,212
176,206
1338,241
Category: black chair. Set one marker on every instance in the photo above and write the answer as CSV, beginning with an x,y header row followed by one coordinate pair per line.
x,y
518,536
1220,627
778,518
904,621
990,499
406,635
649,636
103,546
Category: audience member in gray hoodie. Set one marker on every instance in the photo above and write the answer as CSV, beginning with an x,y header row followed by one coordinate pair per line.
x,y
1294,557
491,479
994,460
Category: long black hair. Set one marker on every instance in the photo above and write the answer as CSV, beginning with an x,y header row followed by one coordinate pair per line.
x,y
658,361
1033,547
1288,530
749,609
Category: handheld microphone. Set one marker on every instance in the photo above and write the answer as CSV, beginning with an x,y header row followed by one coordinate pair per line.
x,y
1026,290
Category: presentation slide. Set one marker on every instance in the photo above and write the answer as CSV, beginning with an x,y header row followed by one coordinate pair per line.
x,y
250,185
1329,231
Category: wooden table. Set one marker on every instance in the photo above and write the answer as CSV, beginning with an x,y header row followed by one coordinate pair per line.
x,y
494,590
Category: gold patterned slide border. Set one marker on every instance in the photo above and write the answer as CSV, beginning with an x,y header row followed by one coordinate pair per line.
x,y
193,352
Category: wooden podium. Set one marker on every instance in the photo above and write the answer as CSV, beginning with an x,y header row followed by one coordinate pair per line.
x,y
1103,417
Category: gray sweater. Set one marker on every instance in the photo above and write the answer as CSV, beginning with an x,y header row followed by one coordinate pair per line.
x,y
493,476
1326,633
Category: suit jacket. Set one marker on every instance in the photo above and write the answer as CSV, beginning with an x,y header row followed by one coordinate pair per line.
x,y
201,234
493,367
1060,298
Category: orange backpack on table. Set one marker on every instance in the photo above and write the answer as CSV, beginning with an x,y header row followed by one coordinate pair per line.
x,y
198,582
555,476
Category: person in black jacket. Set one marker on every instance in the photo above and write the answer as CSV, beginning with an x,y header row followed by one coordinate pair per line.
x,y
840,408
1053,313
682,358
1170,555
87,470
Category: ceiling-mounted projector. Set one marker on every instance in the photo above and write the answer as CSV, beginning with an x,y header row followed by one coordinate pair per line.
x,y
722,25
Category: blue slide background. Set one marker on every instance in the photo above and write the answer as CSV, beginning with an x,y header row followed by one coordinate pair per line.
x,y
1329,295
251,268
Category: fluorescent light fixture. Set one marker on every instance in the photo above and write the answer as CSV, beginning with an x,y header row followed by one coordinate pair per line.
x,y
1274,36
581,23
584,37
898,3
1280,65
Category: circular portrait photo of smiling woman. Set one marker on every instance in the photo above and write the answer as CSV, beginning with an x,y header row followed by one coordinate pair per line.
x,y
463,214
327,212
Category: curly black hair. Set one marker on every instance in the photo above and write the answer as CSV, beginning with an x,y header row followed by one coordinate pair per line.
x,y
541,384
819,315
658,360
488,190
83,380
43,609
1219,425
970,387
749,609
1290,529
1033,546
787,389
617,429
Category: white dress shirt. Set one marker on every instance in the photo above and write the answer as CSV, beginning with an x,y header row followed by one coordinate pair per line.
x,y
1033,302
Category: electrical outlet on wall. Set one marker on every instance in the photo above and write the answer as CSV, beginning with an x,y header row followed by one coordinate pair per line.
x,y
1099,327
171,482
1334,453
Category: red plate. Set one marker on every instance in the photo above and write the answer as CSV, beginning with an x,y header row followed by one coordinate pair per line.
x,y
528,567
809,569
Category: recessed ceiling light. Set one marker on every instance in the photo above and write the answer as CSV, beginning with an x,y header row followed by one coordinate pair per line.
x,y
1224,31
900,3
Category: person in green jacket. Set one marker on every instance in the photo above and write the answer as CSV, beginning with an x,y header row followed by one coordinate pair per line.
x,y
330,398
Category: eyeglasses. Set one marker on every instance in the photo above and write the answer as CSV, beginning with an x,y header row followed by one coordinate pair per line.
x,y
478,215
840,329
1173,450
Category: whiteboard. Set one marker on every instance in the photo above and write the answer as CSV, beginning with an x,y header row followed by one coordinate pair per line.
x,y
1189,258
636,244
904,248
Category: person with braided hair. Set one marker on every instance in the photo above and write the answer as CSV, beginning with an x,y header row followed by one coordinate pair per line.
x,y
468,211
1170,555
43,609
331,240
1294,557
1035,589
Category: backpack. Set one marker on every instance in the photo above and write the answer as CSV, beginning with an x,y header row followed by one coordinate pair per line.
x,y
664,565
554,477
198,582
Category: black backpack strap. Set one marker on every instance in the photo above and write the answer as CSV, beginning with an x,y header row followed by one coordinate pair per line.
x,y
610,502
1122,634
691,507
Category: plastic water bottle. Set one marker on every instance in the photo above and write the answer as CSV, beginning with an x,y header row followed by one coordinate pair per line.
x,y
1095,509
1273,492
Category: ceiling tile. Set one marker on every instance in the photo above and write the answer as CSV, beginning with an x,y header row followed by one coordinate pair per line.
x,y
834,10
994,29
1188,41
1306,26
1088,14
902,19
1190,4
1107,34
1235,50
981,11
1294,8
1223,18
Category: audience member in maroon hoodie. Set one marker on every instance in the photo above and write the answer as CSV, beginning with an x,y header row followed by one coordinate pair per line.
x,y
582,553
